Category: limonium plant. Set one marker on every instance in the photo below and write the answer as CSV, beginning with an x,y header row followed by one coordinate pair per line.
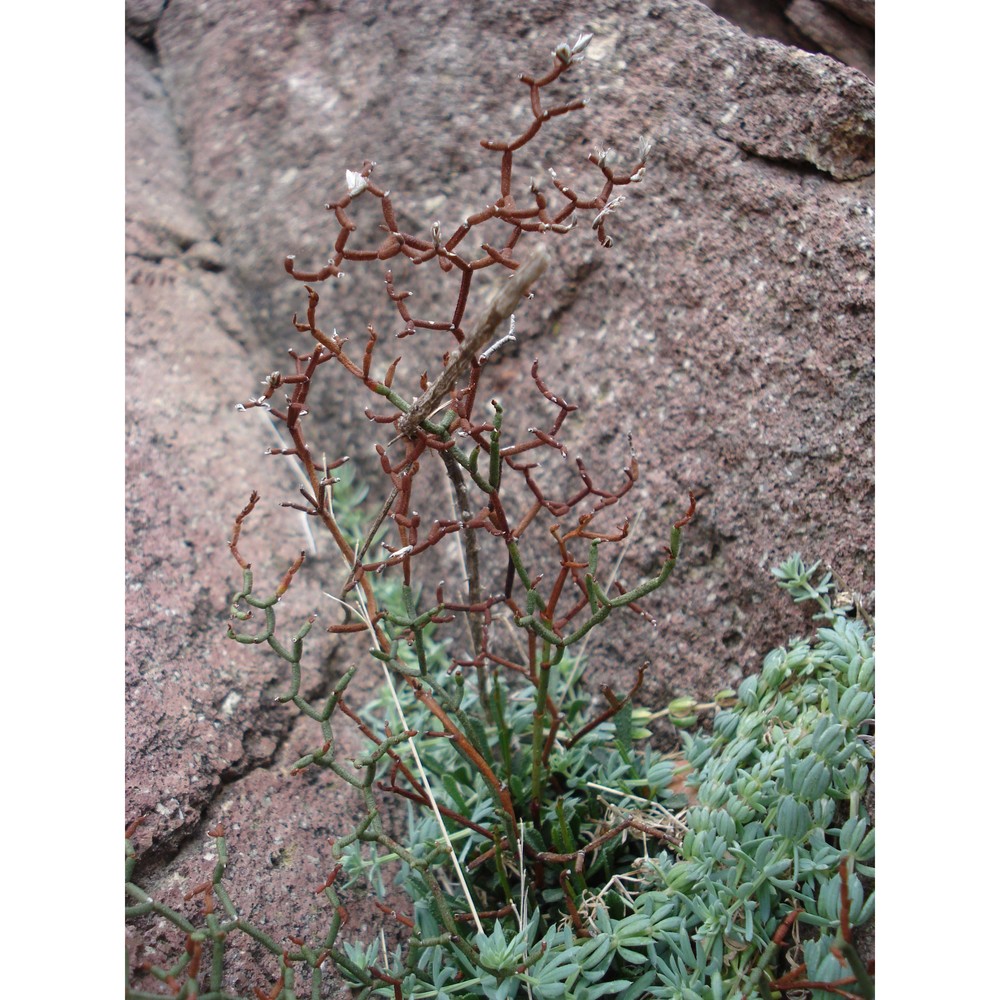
x,y
546,846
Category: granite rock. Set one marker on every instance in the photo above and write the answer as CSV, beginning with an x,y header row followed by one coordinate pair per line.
x,y
729,334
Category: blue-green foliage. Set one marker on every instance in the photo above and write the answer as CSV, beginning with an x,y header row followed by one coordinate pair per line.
x,y
643,874
776,789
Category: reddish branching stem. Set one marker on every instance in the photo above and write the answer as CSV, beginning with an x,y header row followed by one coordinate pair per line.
x,y
496,480
397,984
389,911
237,528
574,913
614,706
130,830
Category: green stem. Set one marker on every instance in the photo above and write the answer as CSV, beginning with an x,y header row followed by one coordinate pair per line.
x,y
538,731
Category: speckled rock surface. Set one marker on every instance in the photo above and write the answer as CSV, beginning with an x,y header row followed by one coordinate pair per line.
x,y
205,741
729,332
844,29
841,30
194,701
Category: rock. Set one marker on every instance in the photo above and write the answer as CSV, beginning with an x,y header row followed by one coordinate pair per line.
x,y
847,40
729,332
197,706
859,11
762,19
141,17
840,28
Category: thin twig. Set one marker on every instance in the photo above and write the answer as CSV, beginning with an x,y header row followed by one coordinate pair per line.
x,y
504,302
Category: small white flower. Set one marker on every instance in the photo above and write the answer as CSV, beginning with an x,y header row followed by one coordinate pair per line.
x,y
355,183
608,208
566,54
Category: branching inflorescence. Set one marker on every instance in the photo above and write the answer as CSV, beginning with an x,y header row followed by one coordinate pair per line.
x,y
457,385
474,451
